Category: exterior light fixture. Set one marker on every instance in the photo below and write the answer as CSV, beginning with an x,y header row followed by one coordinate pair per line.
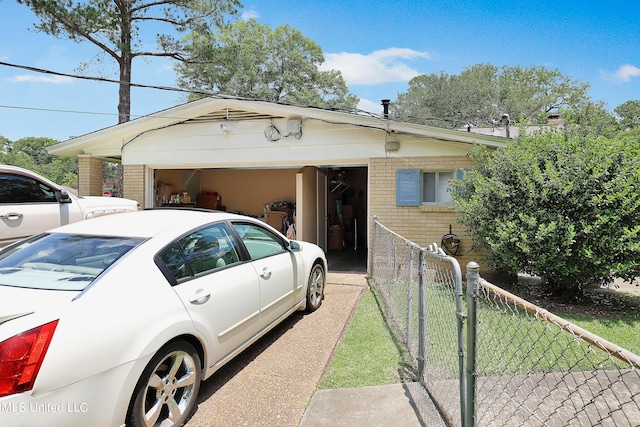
x,y
294,126
391,142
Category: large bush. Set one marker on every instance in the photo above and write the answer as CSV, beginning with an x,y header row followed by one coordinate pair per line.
x,y
565,208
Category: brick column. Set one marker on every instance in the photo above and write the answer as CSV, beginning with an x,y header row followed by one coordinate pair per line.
x,y
90,175
134,176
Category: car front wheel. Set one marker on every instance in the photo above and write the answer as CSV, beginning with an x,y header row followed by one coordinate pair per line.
x,y
315,287
167,390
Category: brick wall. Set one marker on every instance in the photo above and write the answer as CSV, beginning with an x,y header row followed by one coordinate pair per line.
x,y
90,172
134,183
421,224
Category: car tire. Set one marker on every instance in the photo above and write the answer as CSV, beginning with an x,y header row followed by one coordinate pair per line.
x,y
168,388
315,287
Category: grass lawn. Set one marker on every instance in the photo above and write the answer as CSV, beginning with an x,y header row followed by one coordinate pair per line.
x,y
369,355
620,329
612,315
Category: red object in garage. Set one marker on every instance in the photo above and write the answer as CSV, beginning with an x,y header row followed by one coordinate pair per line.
x,y
209,200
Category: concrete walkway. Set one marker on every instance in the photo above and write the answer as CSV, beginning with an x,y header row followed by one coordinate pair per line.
x,y
402,405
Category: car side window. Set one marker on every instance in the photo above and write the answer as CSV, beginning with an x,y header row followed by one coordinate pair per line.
x,y
259,241
201,252
173,259
20,189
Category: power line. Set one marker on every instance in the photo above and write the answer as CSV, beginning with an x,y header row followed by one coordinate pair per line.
x,y
139,85
167,88
90,78
101,79
52,110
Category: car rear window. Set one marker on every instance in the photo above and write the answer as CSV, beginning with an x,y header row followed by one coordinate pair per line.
x,y
61,261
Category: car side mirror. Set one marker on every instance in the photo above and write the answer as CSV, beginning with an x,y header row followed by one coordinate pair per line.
x,y
294,246
63,196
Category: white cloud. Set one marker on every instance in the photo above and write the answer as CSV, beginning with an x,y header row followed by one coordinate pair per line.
x,y
30,78
624,74
370,106
399,52
381,66
250,14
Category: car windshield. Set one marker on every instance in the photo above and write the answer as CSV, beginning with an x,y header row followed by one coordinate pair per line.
x,y
61,261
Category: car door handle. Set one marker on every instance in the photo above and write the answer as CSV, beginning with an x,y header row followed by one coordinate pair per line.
x,y
11,216
266,273
200,297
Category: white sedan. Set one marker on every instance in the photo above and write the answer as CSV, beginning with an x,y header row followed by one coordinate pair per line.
x,y
116,320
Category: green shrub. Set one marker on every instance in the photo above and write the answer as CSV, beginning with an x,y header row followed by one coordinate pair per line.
x,y
565,208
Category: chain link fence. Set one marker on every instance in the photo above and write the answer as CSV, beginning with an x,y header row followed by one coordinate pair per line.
x,y
534,368
512,364
420,292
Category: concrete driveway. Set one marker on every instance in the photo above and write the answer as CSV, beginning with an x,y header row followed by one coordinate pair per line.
x,y
272,382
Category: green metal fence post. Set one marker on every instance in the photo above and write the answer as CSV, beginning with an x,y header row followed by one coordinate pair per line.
x,y
473,279
461,317
410,295
422,354
372,254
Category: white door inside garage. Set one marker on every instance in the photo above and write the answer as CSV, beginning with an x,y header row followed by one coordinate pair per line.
x,y
311,202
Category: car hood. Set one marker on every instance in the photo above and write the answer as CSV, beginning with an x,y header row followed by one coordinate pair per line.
x,y
100,201
19,302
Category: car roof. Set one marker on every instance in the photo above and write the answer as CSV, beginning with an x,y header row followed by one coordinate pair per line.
x,y
146,223
5,168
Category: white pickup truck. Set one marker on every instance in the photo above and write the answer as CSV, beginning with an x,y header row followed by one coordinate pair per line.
x,y
31,204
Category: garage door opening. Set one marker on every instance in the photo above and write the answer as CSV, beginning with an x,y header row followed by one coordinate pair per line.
x,y
335,220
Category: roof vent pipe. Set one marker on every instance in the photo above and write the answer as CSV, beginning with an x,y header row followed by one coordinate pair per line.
x,y
385,108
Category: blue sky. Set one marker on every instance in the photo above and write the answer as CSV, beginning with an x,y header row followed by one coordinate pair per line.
x,y
377,45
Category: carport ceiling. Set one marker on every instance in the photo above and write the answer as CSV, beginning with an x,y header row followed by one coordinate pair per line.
x,y
233,114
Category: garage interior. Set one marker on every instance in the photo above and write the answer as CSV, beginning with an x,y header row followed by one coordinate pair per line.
x,y
270,195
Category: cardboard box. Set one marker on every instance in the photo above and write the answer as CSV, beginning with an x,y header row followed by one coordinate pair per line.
x,y
278,220
209,200
335,239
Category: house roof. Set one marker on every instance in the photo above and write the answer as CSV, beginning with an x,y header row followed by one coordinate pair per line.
x,y
109,141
